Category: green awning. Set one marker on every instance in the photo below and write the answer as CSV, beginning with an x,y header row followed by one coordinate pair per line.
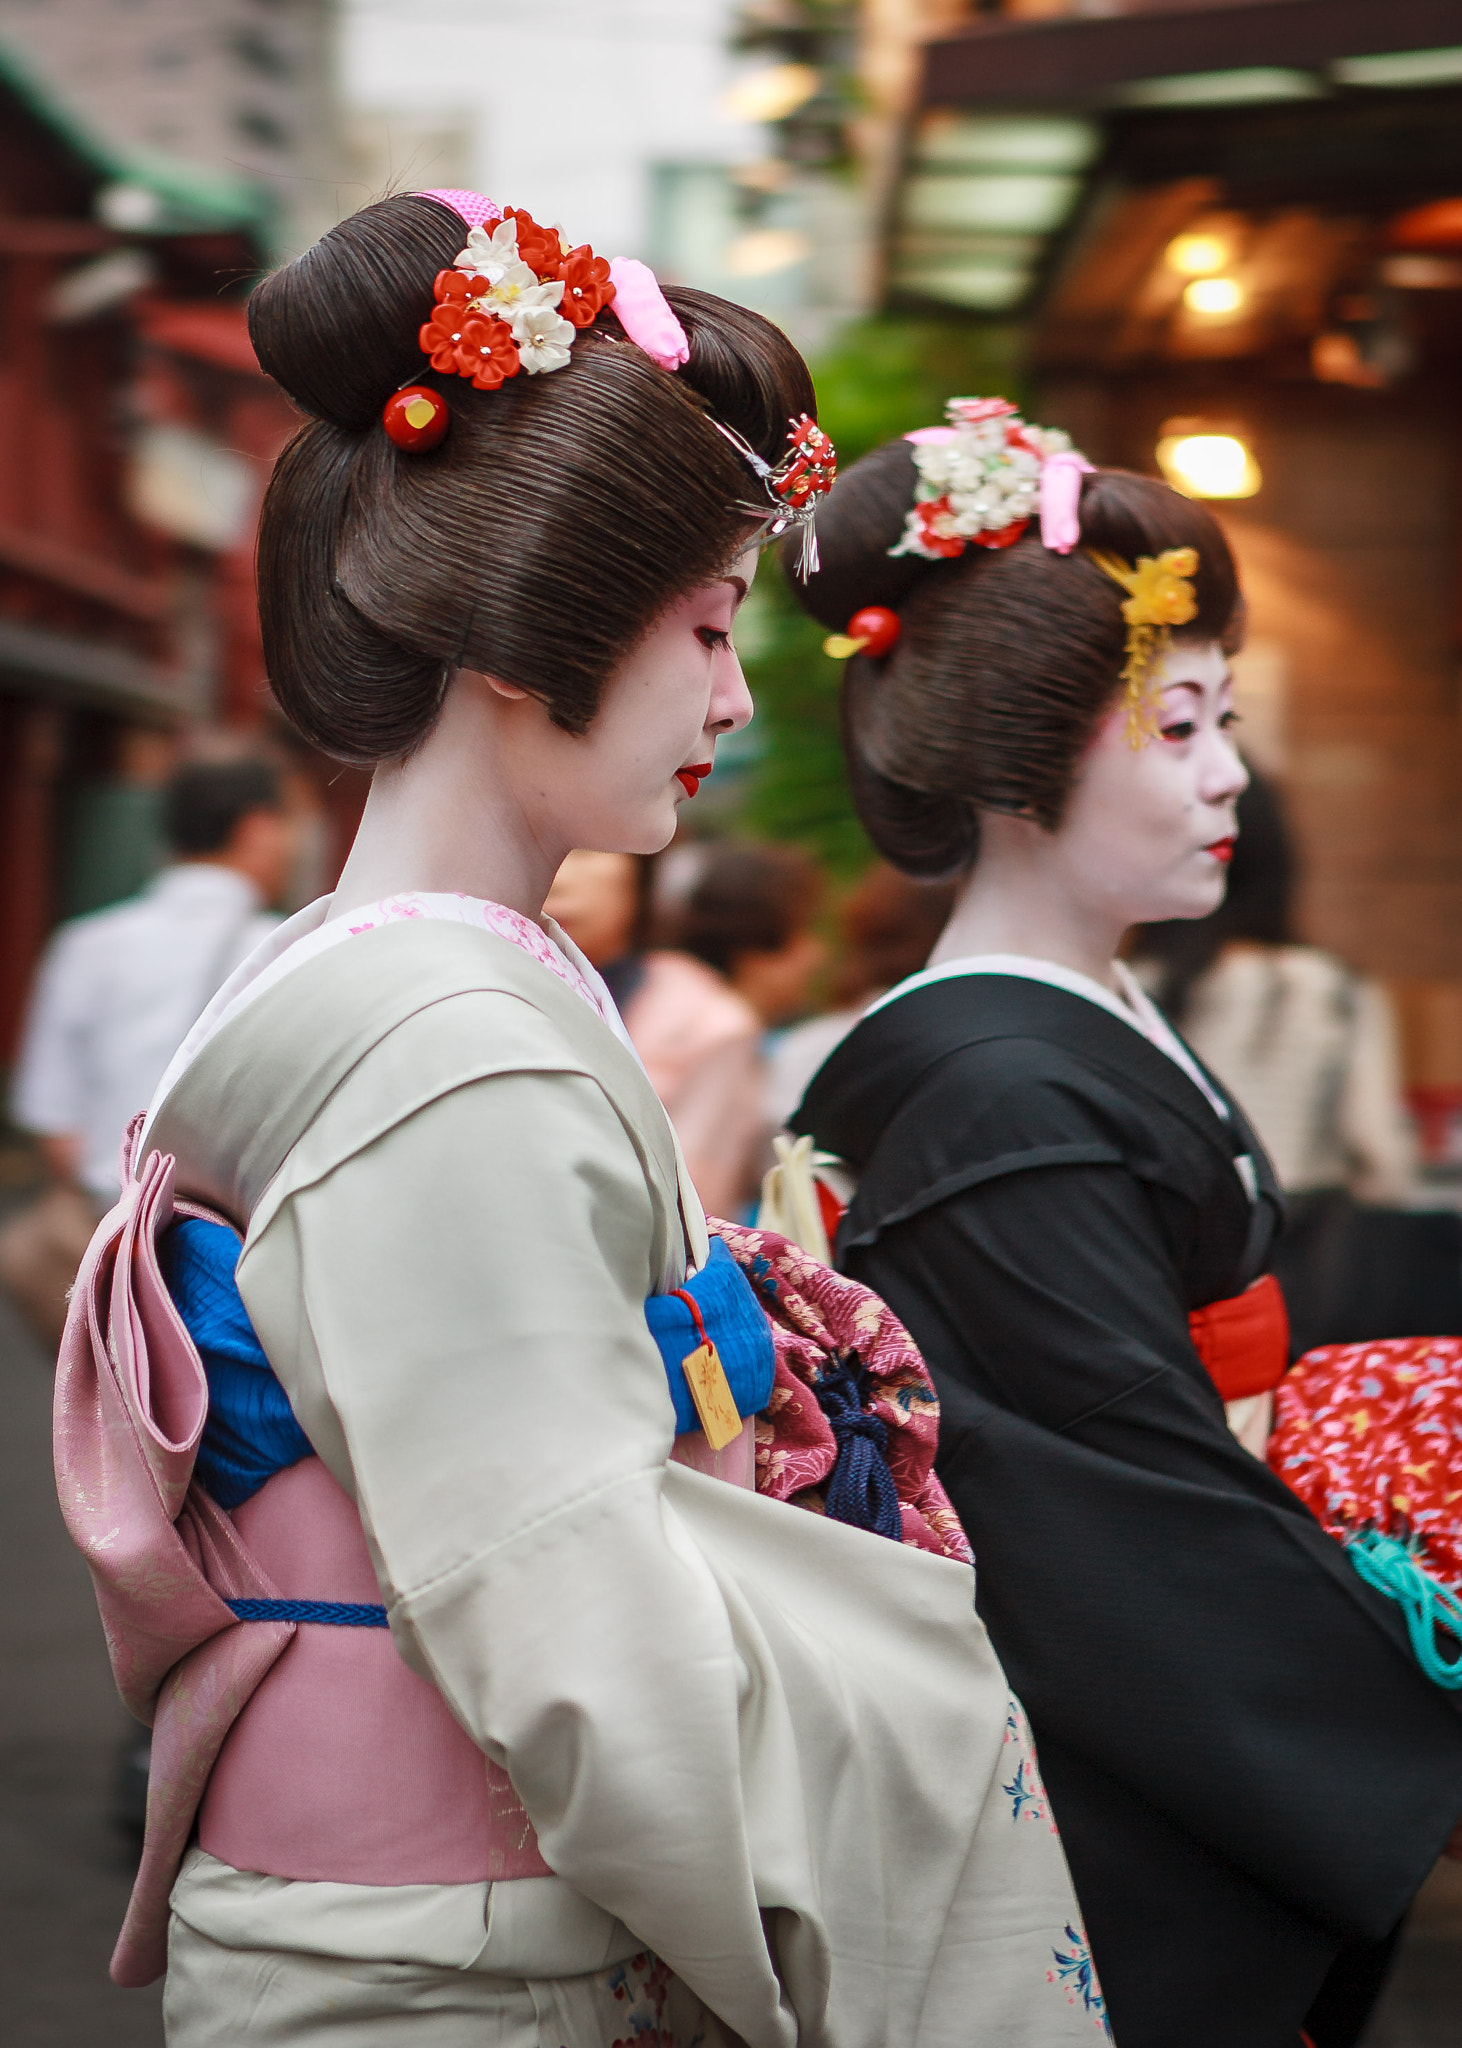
x,y
142,190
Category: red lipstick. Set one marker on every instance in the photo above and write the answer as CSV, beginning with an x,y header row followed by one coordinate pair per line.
x,y
690,779
1223,849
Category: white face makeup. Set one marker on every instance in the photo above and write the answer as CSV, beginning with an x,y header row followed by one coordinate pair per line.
x,y
497,794
1148,832
654,739
617,787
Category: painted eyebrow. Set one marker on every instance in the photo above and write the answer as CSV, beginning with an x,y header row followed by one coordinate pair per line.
x,y
1184,683
738,584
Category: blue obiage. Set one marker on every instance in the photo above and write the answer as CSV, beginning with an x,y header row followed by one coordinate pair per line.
x,y
251,1432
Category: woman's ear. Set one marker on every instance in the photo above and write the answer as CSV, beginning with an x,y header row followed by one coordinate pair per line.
x,y
493,683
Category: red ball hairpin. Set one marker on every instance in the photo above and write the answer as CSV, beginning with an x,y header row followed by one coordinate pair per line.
x,y
415,419
874,630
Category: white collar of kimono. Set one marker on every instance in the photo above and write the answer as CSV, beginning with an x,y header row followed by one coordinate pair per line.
x,y
1134,1006
315,930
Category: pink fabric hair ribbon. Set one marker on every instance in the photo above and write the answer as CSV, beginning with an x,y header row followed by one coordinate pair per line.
x,y
1061,476
639,304
640,308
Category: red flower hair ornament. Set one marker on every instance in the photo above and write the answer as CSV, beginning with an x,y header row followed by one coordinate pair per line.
x,y
517,298
805,473
983,476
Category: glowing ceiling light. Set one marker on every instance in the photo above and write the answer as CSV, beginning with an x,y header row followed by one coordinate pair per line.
x,y
1249,87
1401,67
1422,273
1208,465
1214,296
772,93
1197,255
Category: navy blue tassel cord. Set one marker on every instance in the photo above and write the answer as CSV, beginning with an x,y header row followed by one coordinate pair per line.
x,y
860,1488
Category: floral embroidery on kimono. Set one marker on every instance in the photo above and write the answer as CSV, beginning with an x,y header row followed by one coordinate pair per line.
x,y
1075,1972
1026,1791
642,1986
452,907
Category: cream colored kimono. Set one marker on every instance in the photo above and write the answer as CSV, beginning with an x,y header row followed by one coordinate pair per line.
x,y
776,1751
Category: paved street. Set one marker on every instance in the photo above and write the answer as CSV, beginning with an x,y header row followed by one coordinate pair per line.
x,y
63,1868
63,1871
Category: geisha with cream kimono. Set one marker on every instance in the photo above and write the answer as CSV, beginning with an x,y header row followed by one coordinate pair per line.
x,y
491,1699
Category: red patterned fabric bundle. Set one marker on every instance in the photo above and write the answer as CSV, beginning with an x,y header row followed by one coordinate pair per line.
x,y
1370,1436
821,1322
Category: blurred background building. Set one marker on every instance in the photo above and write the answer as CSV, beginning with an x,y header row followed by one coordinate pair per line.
x,y
135,433
1230,236
1222,240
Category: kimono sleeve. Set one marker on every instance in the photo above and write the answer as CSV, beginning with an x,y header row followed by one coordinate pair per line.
x,y
456,1311
1167,1611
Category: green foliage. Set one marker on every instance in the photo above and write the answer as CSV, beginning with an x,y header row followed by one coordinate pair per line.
x,y
888,375
883,377
795,788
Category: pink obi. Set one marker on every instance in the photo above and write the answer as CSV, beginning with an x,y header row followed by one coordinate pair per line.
x,y
345,1765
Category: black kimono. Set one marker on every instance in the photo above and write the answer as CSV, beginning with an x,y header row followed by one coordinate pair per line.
x,y
1251,1775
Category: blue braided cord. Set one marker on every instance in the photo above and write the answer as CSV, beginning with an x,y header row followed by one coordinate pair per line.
x,y
1392,1568
341,1613
860,1488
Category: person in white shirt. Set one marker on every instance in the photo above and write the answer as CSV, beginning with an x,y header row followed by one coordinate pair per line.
x,y
117,991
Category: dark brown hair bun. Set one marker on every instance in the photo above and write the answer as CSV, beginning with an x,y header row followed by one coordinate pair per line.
x,y
555,522
1007,660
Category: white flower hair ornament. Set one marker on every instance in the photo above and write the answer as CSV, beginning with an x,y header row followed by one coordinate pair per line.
x,y
981,480
983,477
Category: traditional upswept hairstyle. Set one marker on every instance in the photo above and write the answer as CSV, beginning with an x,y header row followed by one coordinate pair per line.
x,y
542,538
1007,659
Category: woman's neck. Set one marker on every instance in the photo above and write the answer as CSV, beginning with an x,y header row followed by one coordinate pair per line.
x,y
1018,900
447,819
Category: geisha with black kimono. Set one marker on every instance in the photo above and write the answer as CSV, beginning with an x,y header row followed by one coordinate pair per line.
x,y
1251,1772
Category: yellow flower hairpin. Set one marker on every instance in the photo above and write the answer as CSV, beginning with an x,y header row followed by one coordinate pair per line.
x,y
1160,595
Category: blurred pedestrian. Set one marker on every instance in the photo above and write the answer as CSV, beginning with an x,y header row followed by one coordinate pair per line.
x,y
605,902
117,991
888,924
699,1040
1307,1045
750,914
1310,1049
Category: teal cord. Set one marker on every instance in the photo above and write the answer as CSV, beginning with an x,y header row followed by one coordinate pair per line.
x,y
1392,1568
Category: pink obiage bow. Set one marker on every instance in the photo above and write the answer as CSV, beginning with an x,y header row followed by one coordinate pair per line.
x,y
1061,476
639,304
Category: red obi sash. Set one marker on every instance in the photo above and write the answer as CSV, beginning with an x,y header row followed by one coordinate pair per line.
x,y
1244,1341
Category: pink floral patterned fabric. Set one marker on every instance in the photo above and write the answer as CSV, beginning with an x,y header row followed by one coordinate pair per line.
x,y
820,1318
453,907
1370,1436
